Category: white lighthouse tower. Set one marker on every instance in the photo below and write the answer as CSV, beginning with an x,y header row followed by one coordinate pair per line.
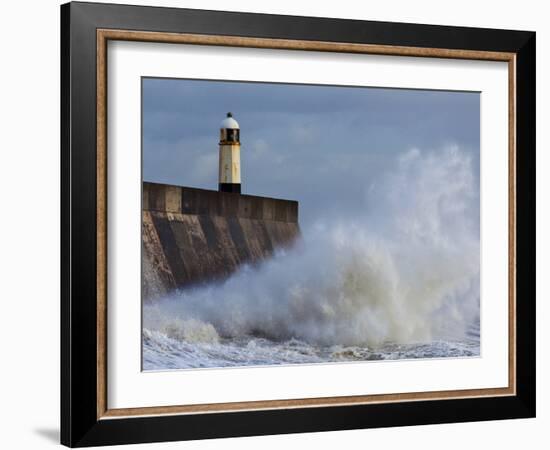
x,y
230,156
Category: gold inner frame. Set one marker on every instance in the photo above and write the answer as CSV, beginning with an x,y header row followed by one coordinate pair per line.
x,y
104,35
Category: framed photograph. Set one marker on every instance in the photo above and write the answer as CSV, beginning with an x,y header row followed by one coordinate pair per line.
x,y
277,224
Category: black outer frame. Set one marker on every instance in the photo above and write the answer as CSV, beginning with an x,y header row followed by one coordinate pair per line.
x,y
79,424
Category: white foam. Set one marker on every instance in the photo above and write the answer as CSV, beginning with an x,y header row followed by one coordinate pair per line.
x,y
403,270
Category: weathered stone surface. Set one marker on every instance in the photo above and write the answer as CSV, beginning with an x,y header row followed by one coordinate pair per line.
x,y
193,236
157,278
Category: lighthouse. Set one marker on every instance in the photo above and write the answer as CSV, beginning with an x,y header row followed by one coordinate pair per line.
x,y
230,156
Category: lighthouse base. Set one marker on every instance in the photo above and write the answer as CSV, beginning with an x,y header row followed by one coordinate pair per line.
x,y
230,187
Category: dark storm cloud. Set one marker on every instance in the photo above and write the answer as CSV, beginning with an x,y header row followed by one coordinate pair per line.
x,y
317,144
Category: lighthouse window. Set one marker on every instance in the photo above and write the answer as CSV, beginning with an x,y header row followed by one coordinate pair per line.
x,y
232,135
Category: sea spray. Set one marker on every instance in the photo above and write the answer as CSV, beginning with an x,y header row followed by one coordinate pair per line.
x,y
404,270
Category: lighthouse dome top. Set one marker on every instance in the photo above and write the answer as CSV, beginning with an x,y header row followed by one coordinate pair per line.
x,y
229,122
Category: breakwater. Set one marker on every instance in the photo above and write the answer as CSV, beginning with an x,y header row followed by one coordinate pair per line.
x,y
194,236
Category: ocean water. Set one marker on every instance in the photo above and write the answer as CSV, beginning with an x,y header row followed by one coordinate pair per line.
x,y
161,352
398,280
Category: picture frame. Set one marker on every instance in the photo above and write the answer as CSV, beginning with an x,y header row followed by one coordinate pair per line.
x,y
86,29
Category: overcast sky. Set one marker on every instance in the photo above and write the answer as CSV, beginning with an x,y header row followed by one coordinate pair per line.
x,y
320,145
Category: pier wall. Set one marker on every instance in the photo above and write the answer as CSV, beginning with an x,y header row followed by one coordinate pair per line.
x,y
192,236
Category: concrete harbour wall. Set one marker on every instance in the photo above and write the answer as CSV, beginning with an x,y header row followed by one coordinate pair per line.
x,y
192,236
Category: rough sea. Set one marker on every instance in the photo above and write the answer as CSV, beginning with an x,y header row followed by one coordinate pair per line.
x,y
398,280
161,352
